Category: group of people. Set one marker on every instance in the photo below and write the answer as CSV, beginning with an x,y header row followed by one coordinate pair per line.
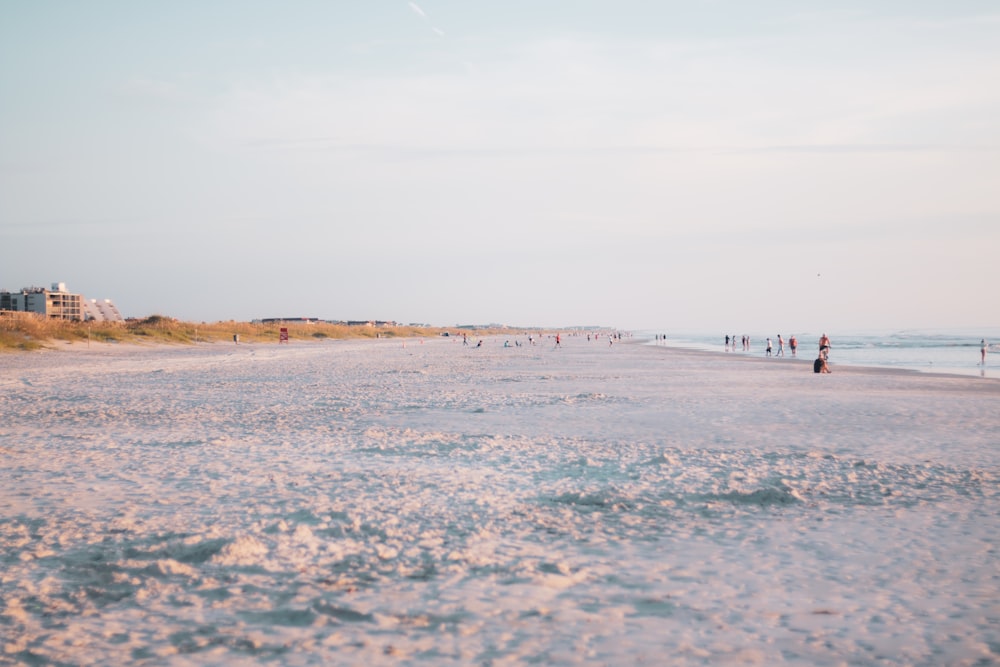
x,y
769,350
821,365
610,336
732,339
793,345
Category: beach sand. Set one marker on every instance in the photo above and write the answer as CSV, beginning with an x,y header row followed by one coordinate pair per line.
x,y
421,502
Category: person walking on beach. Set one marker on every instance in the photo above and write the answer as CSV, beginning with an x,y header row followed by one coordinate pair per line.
x,y
824,346
767,352
781,346
982,351
792,343
558,341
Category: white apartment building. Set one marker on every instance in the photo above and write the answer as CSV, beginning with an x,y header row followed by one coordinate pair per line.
x,y
59,303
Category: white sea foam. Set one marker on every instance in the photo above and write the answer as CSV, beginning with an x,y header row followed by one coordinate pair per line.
x,y
345,502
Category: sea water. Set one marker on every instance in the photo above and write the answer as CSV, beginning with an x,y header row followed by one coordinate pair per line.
x,y
932,351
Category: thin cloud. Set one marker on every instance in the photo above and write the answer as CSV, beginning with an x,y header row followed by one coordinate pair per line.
x,y
862,148
422,14
416,8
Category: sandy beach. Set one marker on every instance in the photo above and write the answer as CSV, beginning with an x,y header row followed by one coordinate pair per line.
x,y
421,502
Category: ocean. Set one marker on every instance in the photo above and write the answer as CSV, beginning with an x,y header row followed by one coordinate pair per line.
x,y
931,351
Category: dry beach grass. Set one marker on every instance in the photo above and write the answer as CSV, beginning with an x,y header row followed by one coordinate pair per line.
x,y
28,331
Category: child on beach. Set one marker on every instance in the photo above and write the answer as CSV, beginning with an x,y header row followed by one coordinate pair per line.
x,y
820,365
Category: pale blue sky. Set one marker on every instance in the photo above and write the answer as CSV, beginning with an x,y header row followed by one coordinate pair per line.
x,y
718,165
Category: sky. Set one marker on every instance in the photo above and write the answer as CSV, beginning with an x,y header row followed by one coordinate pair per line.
x,y
775,165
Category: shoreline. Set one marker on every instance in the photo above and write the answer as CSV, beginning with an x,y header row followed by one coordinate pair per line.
x,y
846,366
105,348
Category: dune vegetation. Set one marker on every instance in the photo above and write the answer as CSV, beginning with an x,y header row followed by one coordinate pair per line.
x,y
27,331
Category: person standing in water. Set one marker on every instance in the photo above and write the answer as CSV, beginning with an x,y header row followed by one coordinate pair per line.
x,y
982,351
824,346
792,343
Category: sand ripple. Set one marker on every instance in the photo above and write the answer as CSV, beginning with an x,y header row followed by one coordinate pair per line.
x,y
365,502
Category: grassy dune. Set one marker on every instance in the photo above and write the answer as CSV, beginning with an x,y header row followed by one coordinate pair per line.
x,y
25,331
